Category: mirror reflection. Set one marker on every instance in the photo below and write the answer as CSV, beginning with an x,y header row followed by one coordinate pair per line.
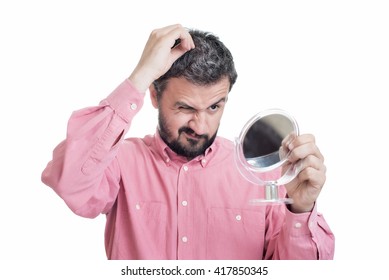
x,y
262,143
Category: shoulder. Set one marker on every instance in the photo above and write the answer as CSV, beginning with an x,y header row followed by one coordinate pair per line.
x,y
222,149
223,143
137,143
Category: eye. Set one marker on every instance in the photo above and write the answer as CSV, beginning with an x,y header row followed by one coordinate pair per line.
x,y
214,108
186,109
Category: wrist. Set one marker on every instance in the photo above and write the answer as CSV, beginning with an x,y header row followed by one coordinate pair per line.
x,y
139,81
298,209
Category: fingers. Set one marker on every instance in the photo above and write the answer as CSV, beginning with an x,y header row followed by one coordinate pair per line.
x,y
288,139
308,159
159,54
312,169
166,45
302,146
309,163
175,37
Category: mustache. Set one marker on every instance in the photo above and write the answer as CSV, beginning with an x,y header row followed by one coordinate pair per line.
x,y
190,131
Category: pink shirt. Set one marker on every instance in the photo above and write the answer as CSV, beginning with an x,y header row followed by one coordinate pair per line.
x,y
160,206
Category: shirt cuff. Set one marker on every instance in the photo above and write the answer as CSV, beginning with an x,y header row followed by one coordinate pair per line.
x,y
302,223
126,100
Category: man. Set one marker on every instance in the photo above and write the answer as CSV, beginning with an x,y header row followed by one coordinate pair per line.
x,y
178,194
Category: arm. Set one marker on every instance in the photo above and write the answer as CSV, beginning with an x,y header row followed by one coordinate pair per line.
x,y
304,236
83,170
301,232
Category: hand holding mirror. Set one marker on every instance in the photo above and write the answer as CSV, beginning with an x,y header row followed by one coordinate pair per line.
x,y
261,156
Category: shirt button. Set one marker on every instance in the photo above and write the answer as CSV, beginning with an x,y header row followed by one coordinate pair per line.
x,y
137,206
238,217
184,239
133,106
186,168
184,203
297,225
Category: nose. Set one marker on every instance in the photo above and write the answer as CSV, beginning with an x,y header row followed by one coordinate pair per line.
x,y
199,123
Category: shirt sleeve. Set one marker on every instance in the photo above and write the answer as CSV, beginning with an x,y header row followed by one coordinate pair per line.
x,y
304,236
83,170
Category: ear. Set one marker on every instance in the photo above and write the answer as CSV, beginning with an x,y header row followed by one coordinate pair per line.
x,y
153,96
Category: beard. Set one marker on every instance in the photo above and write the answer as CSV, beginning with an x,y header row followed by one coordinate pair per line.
x,y
196,144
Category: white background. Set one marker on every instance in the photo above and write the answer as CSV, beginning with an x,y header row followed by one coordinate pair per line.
x,y
326,62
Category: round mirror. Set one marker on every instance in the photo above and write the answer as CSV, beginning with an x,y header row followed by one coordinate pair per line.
x,y
260,155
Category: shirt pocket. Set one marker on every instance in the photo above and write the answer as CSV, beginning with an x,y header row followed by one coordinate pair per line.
x,y
235,233
152,228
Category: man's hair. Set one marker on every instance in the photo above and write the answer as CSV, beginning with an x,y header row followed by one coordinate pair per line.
x,y
206,64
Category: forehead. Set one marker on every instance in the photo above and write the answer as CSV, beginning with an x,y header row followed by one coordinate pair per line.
x,y
181,90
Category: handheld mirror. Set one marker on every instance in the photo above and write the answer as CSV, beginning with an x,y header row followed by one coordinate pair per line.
x,y
260,155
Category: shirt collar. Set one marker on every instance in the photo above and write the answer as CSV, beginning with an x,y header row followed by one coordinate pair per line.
x,y
169,156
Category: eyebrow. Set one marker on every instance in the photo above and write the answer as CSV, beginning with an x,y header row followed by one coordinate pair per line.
x,y
183,104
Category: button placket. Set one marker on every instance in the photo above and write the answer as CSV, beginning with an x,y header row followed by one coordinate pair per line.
x,y
183,211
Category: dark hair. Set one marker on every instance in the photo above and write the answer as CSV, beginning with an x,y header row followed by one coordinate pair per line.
x,y
206,64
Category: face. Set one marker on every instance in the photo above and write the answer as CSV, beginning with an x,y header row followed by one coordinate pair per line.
x,y
189,115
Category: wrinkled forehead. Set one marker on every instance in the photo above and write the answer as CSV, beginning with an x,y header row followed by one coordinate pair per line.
x,y
196,96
